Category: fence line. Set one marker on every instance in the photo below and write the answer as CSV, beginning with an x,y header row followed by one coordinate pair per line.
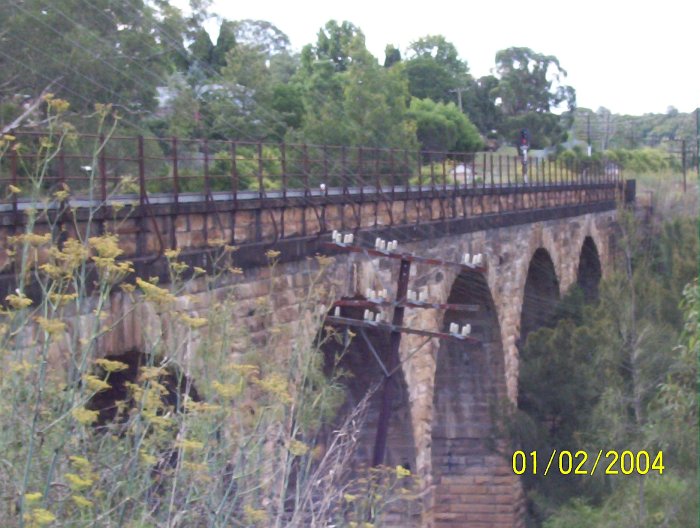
x,y
97,167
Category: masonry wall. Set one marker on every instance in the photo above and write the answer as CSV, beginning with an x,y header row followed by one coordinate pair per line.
x,y
465,481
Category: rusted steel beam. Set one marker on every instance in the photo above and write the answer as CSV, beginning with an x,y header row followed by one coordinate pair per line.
x,y
388,327
400,256
369,303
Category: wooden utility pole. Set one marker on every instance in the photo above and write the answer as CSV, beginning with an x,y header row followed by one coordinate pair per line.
x,y
459,96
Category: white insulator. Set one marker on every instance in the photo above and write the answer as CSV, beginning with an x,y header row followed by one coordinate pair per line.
x,y
382,246
466,330
465,259
323,187
423,296
336,312
378,243
370,316
368,293
383,294
453,328
379,317
366,316
335,235
351,238
346,239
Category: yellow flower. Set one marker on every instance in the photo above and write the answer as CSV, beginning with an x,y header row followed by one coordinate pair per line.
x,y
154,293
235,271
150,373
194,406
172,253
272,254
61,195
96,384
190,445
18,301
14,189
31,498
254,516
78,483
41,517
147,458
61,299
298,448
81,502
84,416
80,462
276,385
107,246
193,322
226,390
199,271
51,326
402,472
349,497
112,366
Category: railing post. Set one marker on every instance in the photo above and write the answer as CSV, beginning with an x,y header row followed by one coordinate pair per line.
x,y
325,169
13,177
344,169
142,173
283,161
176,175
508,169
234,175
500,171
483,183
360,169
306,169
491,167
103,168
61,166
419,159
261,186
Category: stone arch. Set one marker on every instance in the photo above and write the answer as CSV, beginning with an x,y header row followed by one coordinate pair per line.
x,y
589,269
355,357
540,293
469,387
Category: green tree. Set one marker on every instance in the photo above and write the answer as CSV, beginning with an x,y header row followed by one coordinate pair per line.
x,y
434,69
88,51
349,99
530,88
442,127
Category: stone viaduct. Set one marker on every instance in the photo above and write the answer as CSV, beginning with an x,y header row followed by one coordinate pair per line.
x,y
538,241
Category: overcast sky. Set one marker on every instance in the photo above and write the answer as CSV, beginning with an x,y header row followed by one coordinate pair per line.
x,y
631,57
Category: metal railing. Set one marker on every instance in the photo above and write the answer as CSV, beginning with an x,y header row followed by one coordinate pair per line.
x,y
175,170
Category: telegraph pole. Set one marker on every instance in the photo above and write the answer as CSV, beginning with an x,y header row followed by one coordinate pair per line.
x,y
459,96
590,148
697,140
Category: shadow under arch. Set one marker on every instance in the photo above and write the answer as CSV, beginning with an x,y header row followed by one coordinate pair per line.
x,y
589,270
540,295
361,371
469,384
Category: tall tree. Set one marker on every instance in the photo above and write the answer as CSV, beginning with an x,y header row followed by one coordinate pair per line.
x,y
530,88
434,69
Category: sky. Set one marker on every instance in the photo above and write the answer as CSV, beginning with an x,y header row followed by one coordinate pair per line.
x,y
630,57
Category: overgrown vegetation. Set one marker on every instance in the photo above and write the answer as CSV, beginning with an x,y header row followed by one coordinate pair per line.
x,y
620,375
201,427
